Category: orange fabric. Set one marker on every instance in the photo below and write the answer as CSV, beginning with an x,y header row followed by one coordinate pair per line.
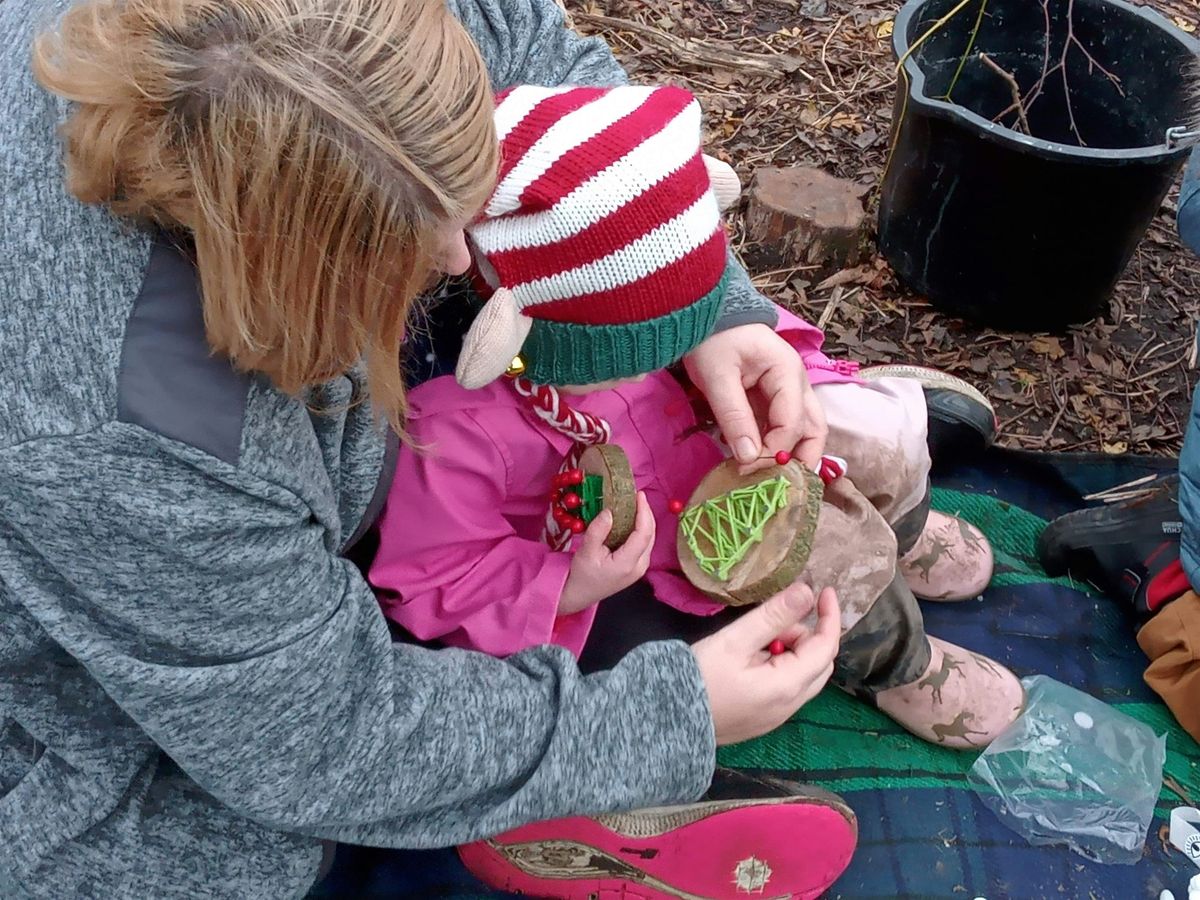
x,y
1172,641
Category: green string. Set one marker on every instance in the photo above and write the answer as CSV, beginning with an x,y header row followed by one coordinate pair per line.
x,y
963,60
732,523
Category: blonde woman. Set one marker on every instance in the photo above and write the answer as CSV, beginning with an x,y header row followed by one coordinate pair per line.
x,y
217,214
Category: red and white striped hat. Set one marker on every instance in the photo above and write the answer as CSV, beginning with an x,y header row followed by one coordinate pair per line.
x,y
603,237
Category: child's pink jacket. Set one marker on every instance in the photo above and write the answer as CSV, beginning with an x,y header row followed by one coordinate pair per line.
x,y
461,557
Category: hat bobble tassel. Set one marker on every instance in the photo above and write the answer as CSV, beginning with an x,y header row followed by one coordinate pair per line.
x,y
726,186
492,342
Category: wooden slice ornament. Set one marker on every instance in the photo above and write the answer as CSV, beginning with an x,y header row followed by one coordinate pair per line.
x,y
744,538
608,484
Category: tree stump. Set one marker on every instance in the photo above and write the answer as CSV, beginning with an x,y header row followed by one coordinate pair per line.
x,y
805,217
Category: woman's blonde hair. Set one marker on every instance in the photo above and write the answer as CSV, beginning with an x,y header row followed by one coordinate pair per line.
x,y
312,148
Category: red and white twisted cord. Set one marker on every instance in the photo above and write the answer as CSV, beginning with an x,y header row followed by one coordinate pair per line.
x,y
584,429
547,403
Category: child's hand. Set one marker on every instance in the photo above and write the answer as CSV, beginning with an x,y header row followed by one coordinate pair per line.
x,y
597,572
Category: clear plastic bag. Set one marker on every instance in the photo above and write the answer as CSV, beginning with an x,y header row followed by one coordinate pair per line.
x,y
1072,770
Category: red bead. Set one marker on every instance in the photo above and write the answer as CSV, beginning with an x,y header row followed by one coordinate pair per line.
x,y
572,501
561,516
675,507
574,476
558,481
577,526
783,457
776,647
556,495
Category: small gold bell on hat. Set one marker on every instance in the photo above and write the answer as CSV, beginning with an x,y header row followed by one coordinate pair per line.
x,y
516,368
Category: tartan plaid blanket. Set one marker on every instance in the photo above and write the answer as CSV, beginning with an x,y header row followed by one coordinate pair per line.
x,y
923,833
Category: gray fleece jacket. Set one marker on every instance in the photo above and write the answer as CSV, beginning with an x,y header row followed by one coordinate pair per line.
x,y
195,684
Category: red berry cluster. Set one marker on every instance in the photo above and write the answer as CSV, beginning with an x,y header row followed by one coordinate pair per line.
x,y
564,503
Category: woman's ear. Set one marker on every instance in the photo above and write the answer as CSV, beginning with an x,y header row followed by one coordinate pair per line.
x,y
494,338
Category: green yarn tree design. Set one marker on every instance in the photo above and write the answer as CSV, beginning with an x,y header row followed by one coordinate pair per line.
x,y
721,531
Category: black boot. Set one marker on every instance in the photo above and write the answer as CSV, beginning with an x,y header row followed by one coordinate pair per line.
x,y
1118,547
961,420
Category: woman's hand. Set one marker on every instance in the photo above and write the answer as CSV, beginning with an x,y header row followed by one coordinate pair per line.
x,y
597,572
759,393
751,692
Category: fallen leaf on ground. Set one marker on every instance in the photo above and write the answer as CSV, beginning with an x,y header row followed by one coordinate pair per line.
x,y
855,275
1048,346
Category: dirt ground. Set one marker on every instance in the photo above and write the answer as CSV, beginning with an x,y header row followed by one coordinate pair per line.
x,y
811,82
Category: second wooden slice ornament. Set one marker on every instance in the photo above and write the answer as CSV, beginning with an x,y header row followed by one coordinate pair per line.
x,y
606,469
603,480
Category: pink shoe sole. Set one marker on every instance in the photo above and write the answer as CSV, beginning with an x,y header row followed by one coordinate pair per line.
x,y
722,850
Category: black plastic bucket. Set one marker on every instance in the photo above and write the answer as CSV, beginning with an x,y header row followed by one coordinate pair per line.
x,y
1023,231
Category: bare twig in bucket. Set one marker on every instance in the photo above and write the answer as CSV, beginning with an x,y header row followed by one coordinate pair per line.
x,y
1092,63
1045,54
1012,85
1067,98
1060,67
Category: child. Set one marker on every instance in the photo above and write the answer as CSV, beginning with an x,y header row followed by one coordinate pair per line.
x,y
604,245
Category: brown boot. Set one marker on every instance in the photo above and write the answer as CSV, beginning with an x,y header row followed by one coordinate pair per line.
x,y
951,560
963,701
